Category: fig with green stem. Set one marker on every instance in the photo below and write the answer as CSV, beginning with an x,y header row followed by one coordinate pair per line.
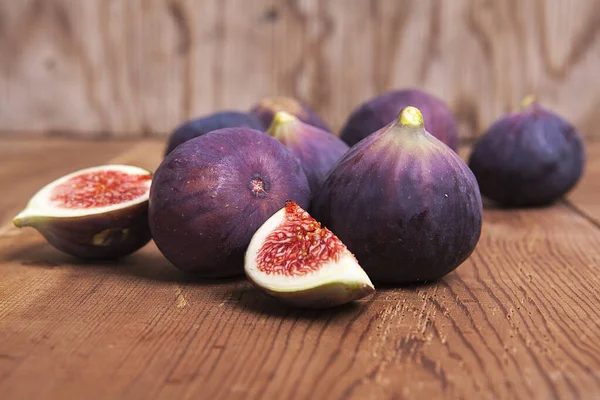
x,y
316,150
403,202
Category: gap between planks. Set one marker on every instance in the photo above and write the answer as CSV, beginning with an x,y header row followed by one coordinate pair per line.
x,y
575,209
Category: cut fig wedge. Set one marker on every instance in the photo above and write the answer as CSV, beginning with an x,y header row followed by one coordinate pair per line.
x,y
292,258
94,213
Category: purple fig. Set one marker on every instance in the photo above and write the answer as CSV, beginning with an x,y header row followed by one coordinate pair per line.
x,y
528,158
94,213
211,194
265,111
403,202
315,149
199,126
379,111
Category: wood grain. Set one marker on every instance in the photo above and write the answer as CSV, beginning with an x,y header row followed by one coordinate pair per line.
x,y
519,319
135,67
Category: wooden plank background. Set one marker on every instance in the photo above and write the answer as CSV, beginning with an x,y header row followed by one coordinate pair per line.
x,y
139,67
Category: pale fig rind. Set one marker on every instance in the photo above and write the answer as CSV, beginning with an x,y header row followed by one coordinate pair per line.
x,y
404,203
336,282
96,233
330,294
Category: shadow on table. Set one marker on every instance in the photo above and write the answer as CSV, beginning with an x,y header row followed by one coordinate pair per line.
x,y
146,264
149,264
492,205
253,300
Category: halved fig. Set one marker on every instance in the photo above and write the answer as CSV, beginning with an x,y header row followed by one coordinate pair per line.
x,y
94,213
293,259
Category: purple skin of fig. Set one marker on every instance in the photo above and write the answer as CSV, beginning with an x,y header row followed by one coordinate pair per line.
x,y
212,193
265,111
316,150
404,203
379,111
528,158
109,235
200,126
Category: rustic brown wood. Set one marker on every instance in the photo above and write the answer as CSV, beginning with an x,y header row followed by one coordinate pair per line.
x,y
133,67
519,319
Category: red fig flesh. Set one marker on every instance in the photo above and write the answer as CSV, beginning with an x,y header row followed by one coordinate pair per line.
x,y
99,212
291,257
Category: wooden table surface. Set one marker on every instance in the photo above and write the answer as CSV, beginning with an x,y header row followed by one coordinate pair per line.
x,y
519,319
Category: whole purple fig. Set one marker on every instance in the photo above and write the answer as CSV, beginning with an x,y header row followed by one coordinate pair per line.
x,y
403,202
379,111
211,194
199,126
315,149
528,158
267,107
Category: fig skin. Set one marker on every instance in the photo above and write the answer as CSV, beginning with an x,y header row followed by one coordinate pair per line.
x,y
105,236
200,126
203,211
316,150
376,113
528,158
266,108
404,203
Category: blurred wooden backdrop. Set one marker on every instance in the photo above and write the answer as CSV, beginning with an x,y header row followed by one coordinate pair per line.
x,y
139,67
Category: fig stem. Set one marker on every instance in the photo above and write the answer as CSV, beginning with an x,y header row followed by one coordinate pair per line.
x,y
527,101
28,217
280,119
411,116
21,219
